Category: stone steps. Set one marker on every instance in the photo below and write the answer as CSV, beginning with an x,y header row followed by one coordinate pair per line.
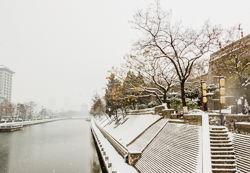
x,y
219,141
222,148
222,151
226,161
174,149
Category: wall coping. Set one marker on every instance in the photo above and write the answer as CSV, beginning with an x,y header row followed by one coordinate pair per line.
x,y
192,115
243,123
206,150
238,115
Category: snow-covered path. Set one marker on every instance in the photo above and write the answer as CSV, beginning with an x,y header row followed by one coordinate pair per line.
x,y
140,143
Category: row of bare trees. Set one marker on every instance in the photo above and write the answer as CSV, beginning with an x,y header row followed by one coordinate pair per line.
x,y
9,110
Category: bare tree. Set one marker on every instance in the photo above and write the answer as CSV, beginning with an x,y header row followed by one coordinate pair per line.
x,y
156,71
30,106
181,46
98,106
7,109
22,110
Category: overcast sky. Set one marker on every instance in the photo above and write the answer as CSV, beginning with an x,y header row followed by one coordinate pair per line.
x,y
62,49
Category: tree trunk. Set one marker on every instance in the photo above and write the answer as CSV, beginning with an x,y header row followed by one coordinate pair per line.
x,y
183,95
164,96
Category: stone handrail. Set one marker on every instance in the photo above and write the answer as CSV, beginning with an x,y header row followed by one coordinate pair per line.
x,y
207,167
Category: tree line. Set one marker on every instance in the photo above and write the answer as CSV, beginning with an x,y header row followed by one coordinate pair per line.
x,y
12,111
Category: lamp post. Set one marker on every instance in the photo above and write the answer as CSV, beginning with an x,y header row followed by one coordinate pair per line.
x,y
203,94
222,92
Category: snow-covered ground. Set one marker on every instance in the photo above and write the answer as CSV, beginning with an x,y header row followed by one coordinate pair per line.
x,y
129,130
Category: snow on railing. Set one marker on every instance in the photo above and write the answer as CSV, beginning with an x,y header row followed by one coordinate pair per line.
x,y
207,167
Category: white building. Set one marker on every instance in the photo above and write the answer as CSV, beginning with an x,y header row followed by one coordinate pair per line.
x,y
5,83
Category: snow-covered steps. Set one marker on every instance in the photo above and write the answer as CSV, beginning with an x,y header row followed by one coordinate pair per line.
x,y
241,145
222,151
176,148
223,161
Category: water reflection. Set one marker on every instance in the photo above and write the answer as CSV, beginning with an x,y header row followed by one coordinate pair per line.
x,y
61,146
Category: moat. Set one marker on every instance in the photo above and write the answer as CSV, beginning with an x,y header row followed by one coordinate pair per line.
x,y
60,146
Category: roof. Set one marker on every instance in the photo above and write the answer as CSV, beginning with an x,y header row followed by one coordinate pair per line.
x,y
3,68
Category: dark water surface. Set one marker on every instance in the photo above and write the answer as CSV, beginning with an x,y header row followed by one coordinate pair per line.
x,y
64,146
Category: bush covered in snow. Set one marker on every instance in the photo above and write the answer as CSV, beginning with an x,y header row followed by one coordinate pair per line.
x,y
152,104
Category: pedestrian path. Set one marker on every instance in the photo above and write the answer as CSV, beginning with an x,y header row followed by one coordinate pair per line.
x,y
222,152
147,136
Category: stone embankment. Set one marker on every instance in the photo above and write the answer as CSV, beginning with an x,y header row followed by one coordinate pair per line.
x,y
157,140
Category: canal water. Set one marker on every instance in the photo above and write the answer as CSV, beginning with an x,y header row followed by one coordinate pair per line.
x,y
64,146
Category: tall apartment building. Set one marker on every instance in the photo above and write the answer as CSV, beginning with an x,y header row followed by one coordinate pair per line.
x,y
5,82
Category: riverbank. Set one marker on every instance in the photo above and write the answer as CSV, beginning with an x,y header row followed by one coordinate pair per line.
x,y
113,162
149,143
14,126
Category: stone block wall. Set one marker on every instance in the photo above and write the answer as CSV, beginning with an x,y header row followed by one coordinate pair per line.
x,y
158,109
166,113
232,119
214,119
193,120
242,128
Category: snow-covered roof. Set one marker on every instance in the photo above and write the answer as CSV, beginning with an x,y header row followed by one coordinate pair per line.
x,y
3,68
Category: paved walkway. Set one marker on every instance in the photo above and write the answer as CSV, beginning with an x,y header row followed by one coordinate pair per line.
x,y
140,143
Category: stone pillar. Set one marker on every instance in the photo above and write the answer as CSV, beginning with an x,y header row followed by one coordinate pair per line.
x,y
133,157
158,109
166,113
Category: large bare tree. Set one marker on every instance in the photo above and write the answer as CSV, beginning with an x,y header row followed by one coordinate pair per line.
x,y
156,71
181,46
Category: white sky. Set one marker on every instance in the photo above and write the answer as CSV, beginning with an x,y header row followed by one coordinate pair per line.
x,y
62,49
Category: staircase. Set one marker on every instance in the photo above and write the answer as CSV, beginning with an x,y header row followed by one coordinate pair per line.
x,y
222,151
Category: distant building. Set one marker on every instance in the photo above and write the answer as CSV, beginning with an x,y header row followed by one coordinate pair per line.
x,y
5,83
84,109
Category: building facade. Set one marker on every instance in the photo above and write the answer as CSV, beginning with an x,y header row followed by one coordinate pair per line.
x,y
6,76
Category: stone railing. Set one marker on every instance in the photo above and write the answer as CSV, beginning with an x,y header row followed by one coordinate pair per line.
x,y
206,160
